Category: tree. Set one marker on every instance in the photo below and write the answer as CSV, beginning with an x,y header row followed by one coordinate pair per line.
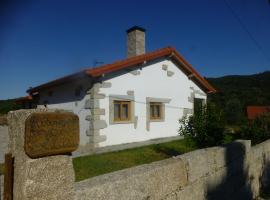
x,y
233,111
205,128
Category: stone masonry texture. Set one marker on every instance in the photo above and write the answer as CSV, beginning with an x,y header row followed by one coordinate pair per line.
x,y
234,171
135,43
3,142
47,178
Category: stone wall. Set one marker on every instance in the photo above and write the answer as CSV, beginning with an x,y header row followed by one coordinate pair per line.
x,y
3,148
234,171
48,177
3,138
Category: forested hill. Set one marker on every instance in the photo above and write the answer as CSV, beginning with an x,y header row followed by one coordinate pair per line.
x,y
237,91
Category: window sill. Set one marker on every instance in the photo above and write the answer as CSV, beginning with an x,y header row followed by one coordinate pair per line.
x,y
122,122
156,120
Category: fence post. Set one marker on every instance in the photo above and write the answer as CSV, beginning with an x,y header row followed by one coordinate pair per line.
x,y
41,142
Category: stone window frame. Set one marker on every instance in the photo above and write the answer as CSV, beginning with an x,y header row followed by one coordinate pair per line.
x,y
121,104
163,101
193,105
162,112
113,98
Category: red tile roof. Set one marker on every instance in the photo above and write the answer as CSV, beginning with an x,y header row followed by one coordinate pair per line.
x,y
130,62
24,99
255,111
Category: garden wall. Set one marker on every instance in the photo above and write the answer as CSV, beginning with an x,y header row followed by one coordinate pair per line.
x,y
3,147
234,171
3,137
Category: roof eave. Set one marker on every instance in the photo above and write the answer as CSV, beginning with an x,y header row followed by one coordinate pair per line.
x,y
133,61
57,82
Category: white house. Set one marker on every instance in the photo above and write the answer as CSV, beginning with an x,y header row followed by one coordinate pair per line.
x,y
137,99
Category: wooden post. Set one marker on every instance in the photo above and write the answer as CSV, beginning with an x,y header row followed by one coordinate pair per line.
x,y
8,177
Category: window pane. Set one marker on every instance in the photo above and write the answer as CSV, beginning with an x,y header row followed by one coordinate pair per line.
x,y
198,105
116,111
158,111
155,110
152,114
124,111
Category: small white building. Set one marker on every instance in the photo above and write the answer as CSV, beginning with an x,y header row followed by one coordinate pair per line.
x,y
130,101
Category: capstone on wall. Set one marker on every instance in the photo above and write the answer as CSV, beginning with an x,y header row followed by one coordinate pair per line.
x,y
3,139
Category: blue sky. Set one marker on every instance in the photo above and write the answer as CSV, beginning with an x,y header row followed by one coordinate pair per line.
x,y
41,40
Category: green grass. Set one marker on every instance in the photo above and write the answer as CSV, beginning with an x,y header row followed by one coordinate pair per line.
x,y
94,165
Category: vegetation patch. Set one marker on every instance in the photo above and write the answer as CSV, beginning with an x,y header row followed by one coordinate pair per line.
x,y
94,165
8,105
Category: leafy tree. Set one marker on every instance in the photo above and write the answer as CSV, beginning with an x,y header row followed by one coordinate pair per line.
x,y
206,128
8,105
257,130
233,111
248,90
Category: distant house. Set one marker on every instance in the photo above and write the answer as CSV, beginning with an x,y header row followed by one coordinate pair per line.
x,y
255,111
25,102
137,99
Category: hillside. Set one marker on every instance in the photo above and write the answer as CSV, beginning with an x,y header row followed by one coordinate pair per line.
x,y
8,105
236,92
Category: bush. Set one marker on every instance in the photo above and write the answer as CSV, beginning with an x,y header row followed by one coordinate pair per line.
x,y
205,128
8,105
257,130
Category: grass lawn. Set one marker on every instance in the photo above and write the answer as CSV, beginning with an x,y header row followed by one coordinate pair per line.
x,y
94,165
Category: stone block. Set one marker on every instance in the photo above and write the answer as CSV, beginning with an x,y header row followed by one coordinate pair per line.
x,y
135,122
98,96
196,164
51,133
106,85
98,138
47,180
170,73
165,67
135,72
91,104
91,132
150,181
130,92
4,138
42,178
98,111
216,157
95,88
98,124
92,117
195,191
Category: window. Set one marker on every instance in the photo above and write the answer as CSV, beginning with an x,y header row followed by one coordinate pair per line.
x,y
155,111
78,91
198,105
122,110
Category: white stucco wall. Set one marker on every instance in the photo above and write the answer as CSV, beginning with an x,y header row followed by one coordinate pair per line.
x,y
63,97
152,82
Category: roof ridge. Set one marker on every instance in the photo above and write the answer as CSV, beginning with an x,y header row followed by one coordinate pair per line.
x,y
128,62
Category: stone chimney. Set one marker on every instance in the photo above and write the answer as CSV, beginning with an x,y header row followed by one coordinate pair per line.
x,y
135,41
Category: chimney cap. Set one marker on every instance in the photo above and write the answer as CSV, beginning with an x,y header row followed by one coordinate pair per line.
x,y
136,28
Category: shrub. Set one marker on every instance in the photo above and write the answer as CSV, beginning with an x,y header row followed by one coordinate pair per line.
x,y
205,128
257,130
